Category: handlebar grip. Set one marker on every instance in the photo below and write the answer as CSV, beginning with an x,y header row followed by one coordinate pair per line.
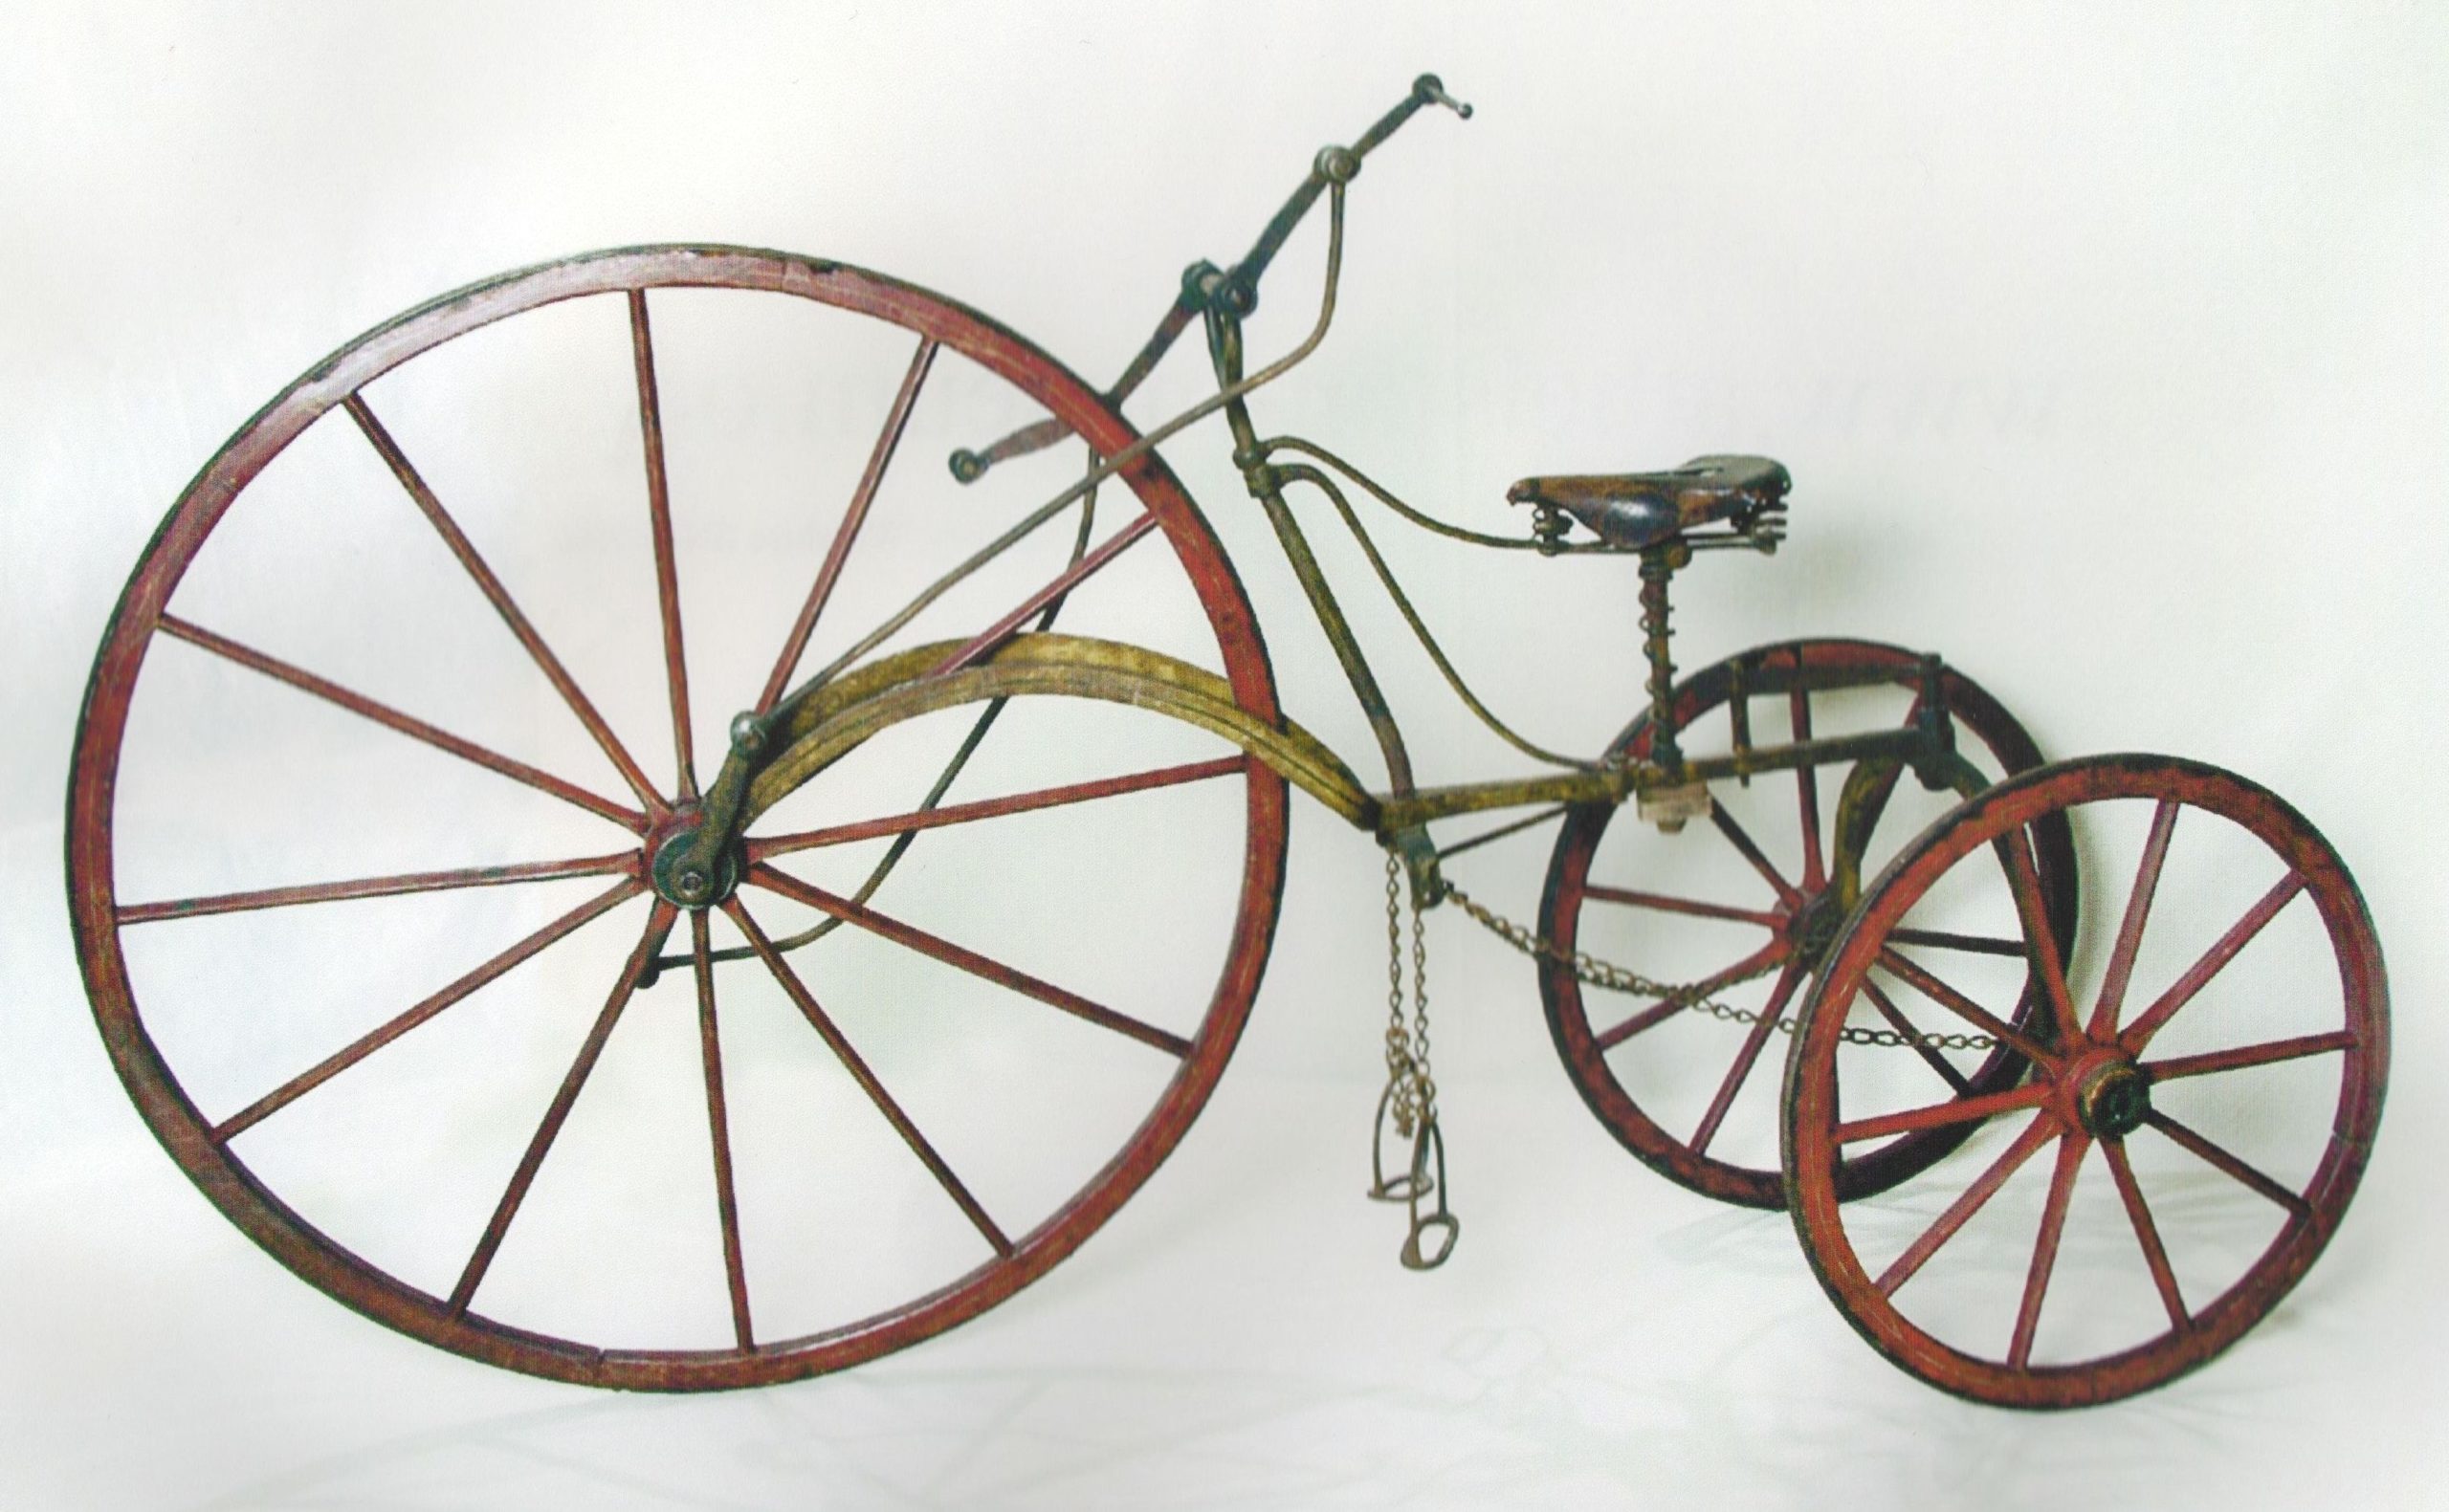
x,y
1427,90
1430,89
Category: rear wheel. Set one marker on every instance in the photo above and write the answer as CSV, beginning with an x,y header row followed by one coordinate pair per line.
x,y
1748,900
2207,1098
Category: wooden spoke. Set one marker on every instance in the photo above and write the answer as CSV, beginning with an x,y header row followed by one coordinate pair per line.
x,y
1912,1033
718,1127
840,1045
1751,852
2045,1249
1815,875
1664,1009
390,718
1958,1003
666,574
879,458
984,643
658,926
911,938
1746,1057
511,614
2242,1056
2040,945
2222,1160
1972,944
624,863
1083,493
1942,1115
2164,1277
2138,908
367,1044
1635,898
2197,976
2039,1132
996,807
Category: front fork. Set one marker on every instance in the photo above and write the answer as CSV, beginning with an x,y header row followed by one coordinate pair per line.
x,y
698,862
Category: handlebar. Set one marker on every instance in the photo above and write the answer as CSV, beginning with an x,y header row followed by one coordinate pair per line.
x,y
1238,291
1204,286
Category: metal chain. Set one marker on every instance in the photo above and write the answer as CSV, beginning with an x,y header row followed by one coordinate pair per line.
x,y
1413,1090
1398,1040
1423,1084
1589,969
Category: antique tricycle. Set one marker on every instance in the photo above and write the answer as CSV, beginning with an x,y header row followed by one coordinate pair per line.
x,y
1890,877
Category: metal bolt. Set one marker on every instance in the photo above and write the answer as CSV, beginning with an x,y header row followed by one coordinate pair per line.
x,y
748,733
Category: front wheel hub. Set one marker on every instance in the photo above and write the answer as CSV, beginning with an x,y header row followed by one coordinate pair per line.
x,y
686,879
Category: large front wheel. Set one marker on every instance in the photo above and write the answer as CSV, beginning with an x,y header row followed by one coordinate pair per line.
x,y
398,705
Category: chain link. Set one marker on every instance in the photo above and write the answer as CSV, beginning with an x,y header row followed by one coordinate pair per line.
x,y
1400,1064
1425,1083
1411,1089
1589,969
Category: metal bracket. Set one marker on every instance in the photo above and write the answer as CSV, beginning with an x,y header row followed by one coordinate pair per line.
x,y
1671,808
1420,864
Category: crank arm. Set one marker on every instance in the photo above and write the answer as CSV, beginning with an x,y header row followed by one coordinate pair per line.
x,y
699,866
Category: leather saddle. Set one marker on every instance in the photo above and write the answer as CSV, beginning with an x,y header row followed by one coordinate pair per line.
x,y
1631,511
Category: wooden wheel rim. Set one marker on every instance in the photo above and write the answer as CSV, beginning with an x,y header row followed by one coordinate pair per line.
x,y
332,1268
1562,994
1810,1122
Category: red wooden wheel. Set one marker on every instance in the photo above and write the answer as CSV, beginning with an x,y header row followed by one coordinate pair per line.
x,y
2208,1099
752,1163
1753,895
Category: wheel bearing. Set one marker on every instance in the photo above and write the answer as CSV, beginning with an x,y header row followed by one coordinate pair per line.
x,y
686,883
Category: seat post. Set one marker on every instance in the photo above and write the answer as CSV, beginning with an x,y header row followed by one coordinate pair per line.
x,y
1657,564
